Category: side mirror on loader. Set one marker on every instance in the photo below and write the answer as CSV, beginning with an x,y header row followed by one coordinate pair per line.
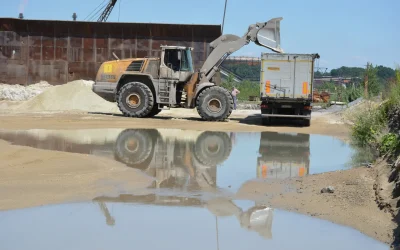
x,y
269,35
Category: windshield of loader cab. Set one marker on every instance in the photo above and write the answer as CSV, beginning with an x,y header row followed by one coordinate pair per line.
x,y
186,60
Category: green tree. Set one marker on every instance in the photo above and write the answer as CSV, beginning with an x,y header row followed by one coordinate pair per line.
x,y
374,84
348,72
385,73
317,74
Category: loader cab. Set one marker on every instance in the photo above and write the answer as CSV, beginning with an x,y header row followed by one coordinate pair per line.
x,y
176,63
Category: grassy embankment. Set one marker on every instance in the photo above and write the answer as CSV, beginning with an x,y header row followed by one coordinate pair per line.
x,y
373,123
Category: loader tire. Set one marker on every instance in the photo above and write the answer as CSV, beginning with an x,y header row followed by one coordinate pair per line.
x,y
135,99
214,104
213,148
135,147
155,111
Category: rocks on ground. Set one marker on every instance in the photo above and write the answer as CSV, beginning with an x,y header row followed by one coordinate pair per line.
x,y
328,189
247,106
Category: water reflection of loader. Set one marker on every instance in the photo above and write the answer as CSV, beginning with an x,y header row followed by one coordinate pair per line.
x,y
257,218
186,162
283,155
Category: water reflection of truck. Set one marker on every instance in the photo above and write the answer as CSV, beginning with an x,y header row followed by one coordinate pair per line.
x,y
283,155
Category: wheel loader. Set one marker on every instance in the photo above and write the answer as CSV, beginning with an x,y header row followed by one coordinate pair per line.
x,y
142,87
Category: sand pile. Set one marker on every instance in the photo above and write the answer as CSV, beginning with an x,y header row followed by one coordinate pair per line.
x,y
76,95
20,92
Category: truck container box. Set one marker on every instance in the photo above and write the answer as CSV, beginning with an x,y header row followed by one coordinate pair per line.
x,y
286,85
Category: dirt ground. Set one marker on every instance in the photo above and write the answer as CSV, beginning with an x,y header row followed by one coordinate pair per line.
x,y
240,120
352,203
31,177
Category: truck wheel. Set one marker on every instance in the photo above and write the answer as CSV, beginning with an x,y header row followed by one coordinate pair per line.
x,y
135,99
214,104
213,148
307,122
155,111
266,121
134,147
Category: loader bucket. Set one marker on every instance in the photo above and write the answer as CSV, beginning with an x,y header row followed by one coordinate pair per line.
x,y
269,35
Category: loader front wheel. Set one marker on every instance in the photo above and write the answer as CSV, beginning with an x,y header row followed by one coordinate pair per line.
x,y
155,111
135,99
214,104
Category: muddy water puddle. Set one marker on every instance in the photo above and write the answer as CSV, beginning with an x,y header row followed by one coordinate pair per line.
x,y
194,160
150,223
181,210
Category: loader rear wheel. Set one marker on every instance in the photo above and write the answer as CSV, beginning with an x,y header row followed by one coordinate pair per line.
x,y
135,147
214,104
135,99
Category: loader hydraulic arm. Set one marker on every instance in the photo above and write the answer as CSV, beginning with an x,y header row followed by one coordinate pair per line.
x,y
263,34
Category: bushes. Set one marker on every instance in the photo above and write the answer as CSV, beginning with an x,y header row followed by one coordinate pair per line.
x,y
389,144
341,93
246,88
374,124
368,125
371,129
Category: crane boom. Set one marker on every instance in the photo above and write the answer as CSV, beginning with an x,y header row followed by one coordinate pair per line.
x,y
107,11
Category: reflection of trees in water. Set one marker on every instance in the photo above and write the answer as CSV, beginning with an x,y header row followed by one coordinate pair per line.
x,y
361,156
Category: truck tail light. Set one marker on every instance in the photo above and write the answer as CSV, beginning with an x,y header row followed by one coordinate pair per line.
x,y
264,106
308,107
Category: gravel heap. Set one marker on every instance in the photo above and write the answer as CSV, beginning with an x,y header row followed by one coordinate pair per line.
x,y
76,95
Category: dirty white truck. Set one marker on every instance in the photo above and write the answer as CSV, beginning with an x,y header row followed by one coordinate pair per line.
x,y
142,87
286,85
283,155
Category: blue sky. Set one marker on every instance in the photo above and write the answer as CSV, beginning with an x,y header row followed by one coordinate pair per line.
x,y
348,33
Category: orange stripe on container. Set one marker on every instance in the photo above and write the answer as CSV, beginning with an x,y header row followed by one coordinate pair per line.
x,y
264,171
305,88
302,170
268,86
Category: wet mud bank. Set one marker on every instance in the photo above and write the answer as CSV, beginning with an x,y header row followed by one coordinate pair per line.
x,y
387,190
352,202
